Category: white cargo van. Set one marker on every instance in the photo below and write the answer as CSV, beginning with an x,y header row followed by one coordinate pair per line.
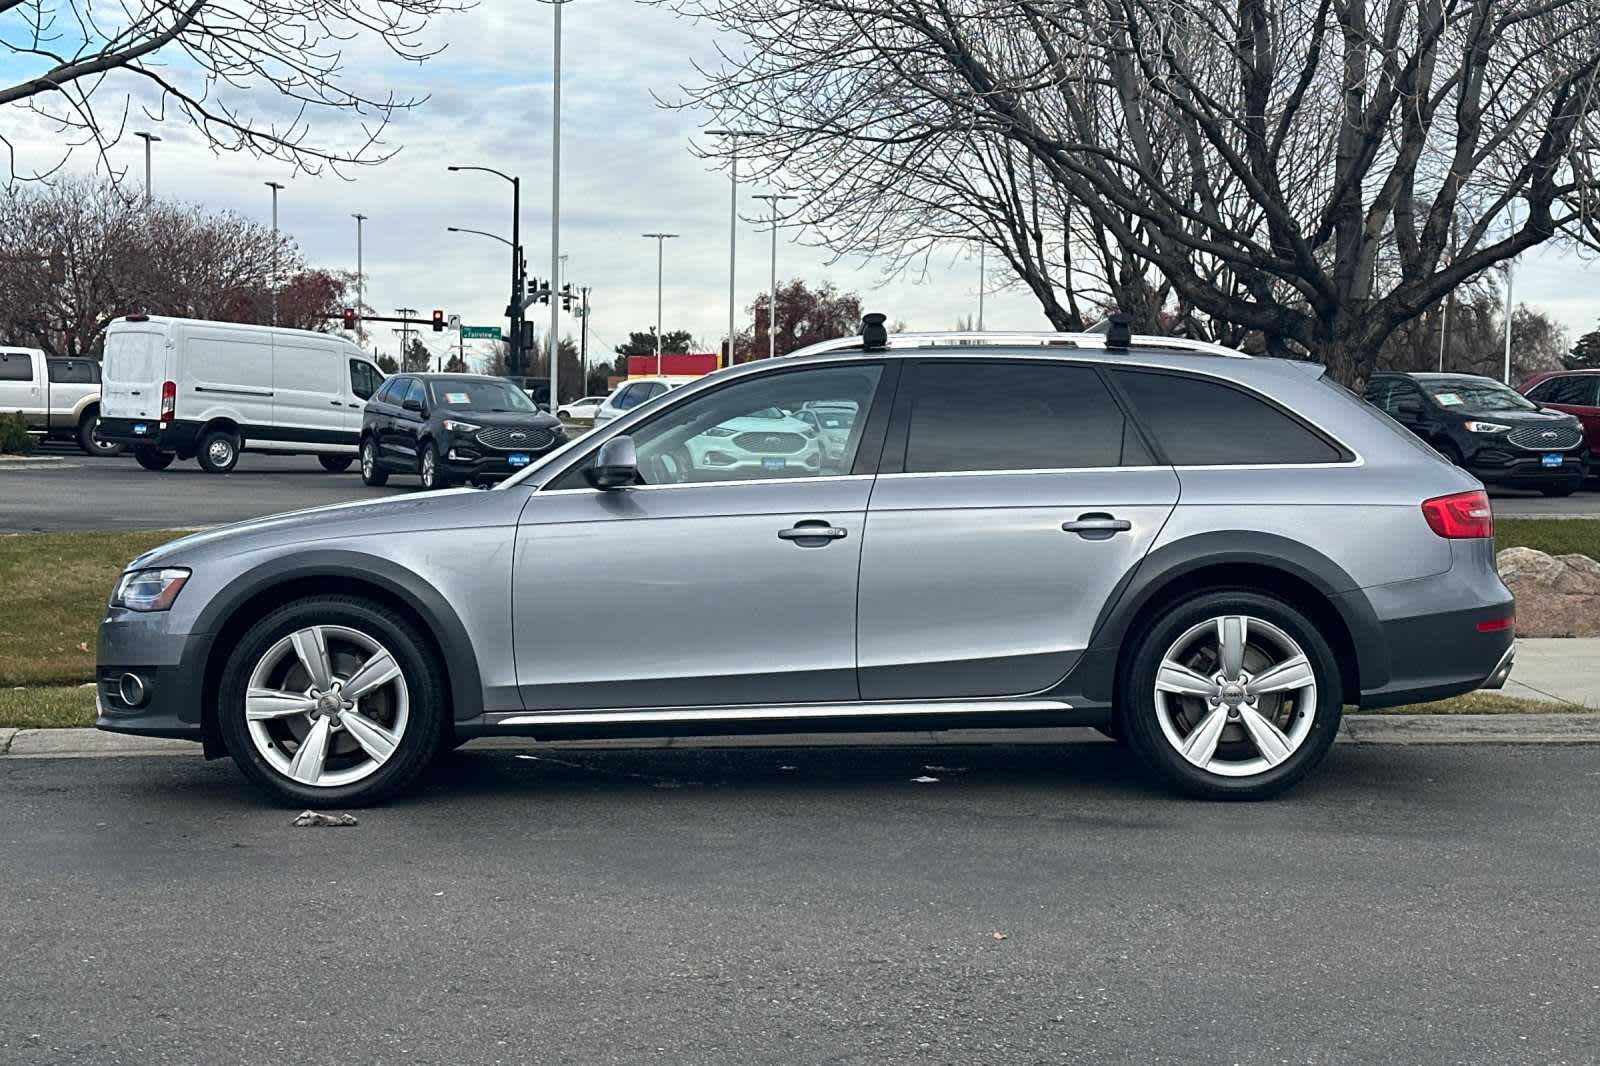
x,y
187,389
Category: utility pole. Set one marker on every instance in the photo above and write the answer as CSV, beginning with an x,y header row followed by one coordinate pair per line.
x,y
147,138
360,292
275,187
772,291
583,342
982,271
405,314
1510,263
661,241
733,223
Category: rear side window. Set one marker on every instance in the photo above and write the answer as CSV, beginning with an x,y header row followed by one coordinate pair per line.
x,y
386,393
16,366
1198,422
1014,416
73,371
631,396
1574,391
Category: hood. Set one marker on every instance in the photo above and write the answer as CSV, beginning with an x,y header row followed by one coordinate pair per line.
x,y
510,419
1542,417
388,516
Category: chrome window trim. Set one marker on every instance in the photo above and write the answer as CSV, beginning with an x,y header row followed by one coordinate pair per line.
x,y
719,484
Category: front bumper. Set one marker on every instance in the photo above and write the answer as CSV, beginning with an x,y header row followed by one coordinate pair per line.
x,y
467,463
170,668
1517,468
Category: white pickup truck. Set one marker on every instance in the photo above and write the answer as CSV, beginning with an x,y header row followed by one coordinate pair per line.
x,y
58,397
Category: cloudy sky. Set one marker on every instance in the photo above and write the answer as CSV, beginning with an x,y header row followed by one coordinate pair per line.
x,y
626,169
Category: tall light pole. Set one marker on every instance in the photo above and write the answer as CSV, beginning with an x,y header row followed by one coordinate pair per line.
x,y
661,241
1506,377
147,138
583,342
772,291
555,212
360,292
733,224
275,187
982,271
514,308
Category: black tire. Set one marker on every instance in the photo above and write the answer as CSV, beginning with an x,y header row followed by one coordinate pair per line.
x,y
421,673
430,468
151,459
336,464
1565,488
371,473
219,451
1142,724
91,446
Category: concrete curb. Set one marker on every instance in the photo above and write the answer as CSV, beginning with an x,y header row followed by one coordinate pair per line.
x,y
1405,729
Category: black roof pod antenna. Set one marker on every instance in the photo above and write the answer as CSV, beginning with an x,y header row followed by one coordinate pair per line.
x,y
1119,335
874,334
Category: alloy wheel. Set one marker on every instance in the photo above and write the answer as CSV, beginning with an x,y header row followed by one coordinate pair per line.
x,y
1235,695
327,706
367,460
428,471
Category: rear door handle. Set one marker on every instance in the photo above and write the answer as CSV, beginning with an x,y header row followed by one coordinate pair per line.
x,y
815,531
1097,526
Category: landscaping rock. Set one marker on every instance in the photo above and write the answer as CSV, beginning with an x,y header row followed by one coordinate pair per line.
x,y
1557,595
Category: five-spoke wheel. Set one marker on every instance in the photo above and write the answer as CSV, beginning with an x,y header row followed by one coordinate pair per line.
x,y
331,700
1232,694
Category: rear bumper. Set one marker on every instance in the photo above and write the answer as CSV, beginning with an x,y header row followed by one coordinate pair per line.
x,y
179,436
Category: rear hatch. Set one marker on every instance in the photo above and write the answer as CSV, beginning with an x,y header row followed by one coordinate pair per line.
x,y
131,374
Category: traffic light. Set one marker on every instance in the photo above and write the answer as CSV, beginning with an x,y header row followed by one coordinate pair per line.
x,y
567,297
350,318
541,290
438,320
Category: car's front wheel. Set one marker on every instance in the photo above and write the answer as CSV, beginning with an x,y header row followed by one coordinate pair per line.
x,y
430,468
1231,695
1563,488
331,701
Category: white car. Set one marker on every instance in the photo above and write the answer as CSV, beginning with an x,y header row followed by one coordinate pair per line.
x,y
762,444
834,423
580,411
187,389
633,392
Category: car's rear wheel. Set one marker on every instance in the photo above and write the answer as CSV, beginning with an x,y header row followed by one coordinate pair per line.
x,y
335,464
371,472
219,452
331,701
1231,695
87,441
151,459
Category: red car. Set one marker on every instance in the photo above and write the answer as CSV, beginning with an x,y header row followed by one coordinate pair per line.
x,y
1577,392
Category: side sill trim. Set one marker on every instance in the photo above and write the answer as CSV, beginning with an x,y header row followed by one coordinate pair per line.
x,y
778,712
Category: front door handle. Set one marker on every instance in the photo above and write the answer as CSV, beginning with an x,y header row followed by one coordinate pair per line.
x,y
813,533
1097,525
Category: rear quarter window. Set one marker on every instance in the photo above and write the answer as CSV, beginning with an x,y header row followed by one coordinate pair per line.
x,y
1201,422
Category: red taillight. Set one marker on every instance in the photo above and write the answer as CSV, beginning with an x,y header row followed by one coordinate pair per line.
x,y
169,400
1495,625
1463,516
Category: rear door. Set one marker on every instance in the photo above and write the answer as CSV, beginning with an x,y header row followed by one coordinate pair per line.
x,y
1014,496
131,373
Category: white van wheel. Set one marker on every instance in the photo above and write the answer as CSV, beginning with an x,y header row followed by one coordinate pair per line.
x,y
219,452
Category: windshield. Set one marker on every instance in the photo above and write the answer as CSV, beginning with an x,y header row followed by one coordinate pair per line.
x,y
1476,396
486,395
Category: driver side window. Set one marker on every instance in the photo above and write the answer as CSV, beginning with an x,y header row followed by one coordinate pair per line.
x,y
754,430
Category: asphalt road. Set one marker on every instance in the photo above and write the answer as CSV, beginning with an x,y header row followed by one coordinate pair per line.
x,y
1428,905
96,493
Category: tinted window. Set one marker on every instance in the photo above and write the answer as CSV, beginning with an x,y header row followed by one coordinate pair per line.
x,y
1013,416
385,394
630,396
1206,423
415,392
72,371
364,378
1574,391
16,366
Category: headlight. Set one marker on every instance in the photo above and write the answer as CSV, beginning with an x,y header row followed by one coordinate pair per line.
x,y
719,431
1486,427
452,426
149,590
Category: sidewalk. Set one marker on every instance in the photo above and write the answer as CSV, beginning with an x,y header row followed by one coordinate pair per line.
x,y
1562,669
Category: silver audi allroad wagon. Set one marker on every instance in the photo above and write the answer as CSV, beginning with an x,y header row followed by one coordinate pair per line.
x,y
1202,554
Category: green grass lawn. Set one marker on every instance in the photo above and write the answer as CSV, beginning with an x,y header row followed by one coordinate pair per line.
x,y
1557,536
56,586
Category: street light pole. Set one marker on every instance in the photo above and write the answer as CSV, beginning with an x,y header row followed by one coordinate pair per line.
x,y
982,270
275,187
1506,377
772,290
514,308
555,217
360,291
733,224
147,138
661,241
583,344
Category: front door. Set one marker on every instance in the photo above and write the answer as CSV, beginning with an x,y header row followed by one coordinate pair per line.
x,y
1015,498
728,577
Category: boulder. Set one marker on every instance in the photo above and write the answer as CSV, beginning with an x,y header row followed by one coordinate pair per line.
x,y
1557,595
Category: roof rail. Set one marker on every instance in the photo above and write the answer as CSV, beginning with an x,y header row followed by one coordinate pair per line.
x,y
974,339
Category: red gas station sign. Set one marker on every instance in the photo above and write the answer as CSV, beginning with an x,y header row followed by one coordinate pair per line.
x,y
690,364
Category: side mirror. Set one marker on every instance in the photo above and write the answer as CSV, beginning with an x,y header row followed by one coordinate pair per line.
x,y
413,405
615,465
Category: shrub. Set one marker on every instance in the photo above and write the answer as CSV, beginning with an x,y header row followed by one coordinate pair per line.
x,y
14,437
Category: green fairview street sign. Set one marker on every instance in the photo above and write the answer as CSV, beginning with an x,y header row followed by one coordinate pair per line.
x,y
469,333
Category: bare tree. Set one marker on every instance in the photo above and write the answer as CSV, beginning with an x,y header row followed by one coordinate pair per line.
x,y
1259,157
248,75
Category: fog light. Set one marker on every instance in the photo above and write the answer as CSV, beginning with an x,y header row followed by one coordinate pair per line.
x,y
132,690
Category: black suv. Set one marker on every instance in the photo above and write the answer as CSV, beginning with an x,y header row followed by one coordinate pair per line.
x,y
449,428
1487,428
